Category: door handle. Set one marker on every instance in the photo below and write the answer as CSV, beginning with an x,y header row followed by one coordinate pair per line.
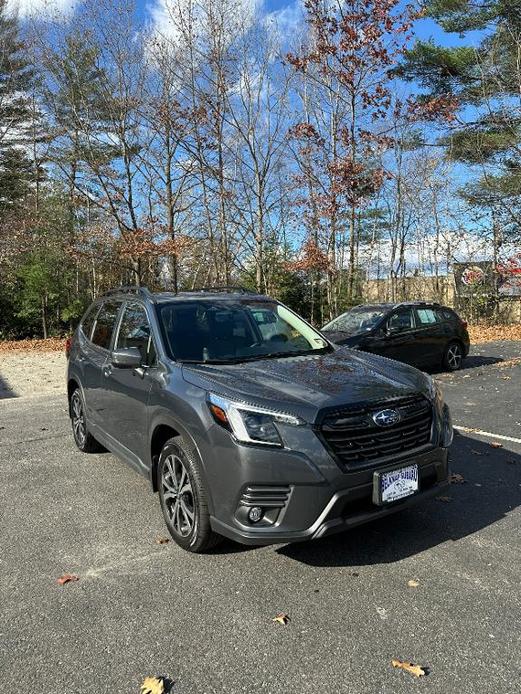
x,y
107,371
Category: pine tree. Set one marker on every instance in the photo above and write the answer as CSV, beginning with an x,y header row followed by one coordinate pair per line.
x,y
15,113
485,83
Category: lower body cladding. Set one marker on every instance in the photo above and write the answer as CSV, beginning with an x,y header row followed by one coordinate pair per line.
x,y
270,512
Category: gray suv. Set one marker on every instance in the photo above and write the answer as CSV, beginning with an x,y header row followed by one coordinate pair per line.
x,y
248,422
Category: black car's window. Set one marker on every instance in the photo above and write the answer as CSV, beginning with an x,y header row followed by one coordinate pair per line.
x,y
426,316
105,323
235,330
402,320
356,321
445,314
134,331
88,322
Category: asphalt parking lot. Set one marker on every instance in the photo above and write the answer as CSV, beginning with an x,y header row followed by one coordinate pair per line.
x,y
205,622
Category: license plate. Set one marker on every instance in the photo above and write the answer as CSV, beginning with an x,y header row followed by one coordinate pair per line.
x,y
395,484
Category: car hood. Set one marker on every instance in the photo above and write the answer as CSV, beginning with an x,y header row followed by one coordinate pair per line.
x,y
305,385
343,336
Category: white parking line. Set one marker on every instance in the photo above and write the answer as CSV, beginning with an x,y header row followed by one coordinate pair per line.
x,y
488,434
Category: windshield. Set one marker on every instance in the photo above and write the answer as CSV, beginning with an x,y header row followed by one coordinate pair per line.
x,y
356,321
235,330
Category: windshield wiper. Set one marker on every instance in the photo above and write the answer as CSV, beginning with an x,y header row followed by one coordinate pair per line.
x,y
298,353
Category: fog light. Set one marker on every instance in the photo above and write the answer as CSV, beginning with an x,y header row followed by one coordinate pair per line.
x,y
255,514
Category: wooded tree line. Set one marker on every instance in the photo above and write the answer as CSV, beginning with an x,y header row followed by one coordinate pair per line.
x,y
212,148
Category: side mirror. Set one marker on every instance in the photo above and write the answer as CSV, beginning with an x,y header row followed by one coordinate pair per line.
x,y
127,358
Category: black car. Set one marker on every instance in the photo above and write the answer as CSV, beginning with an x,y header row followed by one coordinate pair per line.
x,y
418,333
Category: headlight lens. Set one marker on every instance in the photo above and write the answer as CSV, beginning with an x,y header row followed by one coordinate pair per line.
x,y
249,424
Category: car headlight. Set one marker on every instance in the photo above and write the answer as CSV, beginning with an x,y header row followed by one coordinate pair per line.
x,y
249,424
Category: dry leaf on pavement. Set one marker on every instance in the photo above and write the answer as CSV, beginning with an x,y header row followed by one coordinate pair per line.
x,y
281,618
413,583
496,444
162,540
446,499
153,685
456,478
68,578
416,670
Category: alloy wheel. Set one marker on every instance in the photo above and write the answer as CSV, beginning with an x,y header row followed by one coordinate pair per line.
x,y
454,356
178,495
78,419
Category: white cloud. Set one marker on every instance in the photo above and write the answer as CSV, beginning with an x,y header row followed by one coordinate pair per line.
x,y
172,18
38,8
288,21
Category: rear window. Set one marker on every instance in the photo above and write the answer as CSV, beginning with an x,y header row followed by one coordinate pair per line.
x,y
88,322
426,316
105,323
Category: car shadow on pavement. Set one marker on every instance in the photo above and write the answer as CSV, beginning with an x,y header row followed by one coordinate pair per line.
x,y
474,361
6,391
488,491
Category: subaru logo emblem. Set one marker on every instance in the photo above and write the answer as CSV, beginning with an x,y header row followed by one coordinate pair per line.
x,y
386,418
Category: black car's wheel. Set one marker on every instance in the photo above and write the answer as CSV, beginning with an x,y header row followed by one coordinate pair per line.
x,y
83,439
453,357
183,497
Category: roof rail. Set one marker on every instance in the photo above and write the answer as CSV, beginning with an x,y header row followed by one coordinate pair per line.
x,y
417,303
139,291
225,288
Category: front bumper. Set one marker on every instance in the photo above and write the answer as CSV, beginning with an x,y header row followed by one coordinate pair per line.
x,y
314,496
332,520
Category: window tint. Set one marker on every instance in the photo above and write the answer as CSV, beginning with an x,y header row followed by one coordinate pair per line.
x,y
105,324
445,314
426,316
235,329
134,331
88,322
401,321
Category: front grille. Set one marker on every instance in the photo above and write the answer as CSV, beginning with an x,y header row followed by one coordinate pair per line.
x,y
267,497
355,439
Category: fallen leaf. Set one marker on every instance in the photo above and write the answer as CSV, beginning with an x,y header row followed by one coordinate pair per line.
x,y
382,612
491,333
413,583
162,540
153,685
68,578
416,670
281,618
446,499
496,444
456,478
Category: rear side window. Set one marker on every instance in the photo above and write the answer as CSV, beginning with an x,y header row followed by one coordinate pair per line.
x,y
134,331
105,323
426,316
88,322
446,314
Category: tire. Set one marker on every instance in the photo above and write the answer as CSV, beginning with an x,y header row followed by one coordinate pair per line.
x,y
183,497
82,438
453,356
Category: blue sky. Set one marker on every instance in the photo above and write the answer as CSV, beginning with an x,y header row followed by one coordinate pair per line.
x,y
286,9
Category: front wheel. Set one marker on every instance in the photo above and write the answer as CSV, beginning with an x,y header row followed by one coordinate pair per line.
x,y
183,497
453,357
